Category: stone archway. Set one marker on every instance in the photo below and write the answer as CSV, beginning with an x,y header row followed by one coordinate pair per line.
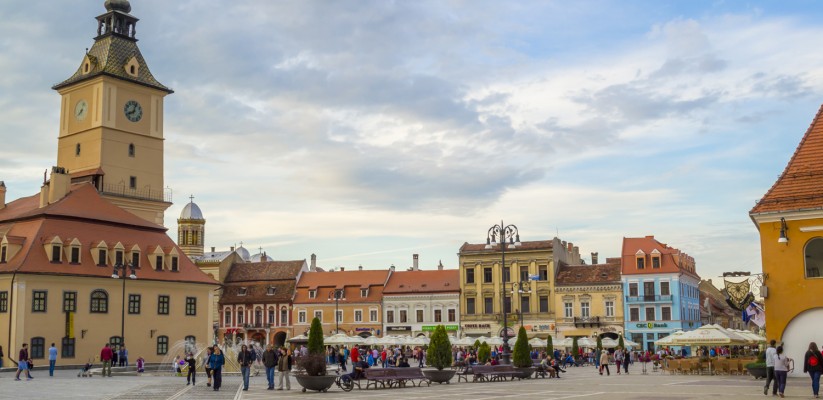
x,y
280,339
803,329
259,338
610,335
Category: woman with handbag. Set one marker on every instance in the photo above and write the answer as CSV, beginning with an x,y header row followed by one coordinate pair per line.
x,y
782,366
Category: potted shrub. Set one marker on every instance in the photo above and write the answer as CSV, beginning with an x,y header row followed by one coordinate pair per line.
x,y
549,345
311,369
521,358
757,369
439,356
575,349
620,343
484,352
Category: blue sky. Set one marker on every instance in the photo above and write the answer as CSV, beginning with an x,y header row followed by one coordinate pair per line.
x,y
367,131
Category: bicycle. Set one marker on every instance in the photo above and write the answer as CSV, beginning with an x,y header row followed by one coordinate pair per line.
x,y
346,384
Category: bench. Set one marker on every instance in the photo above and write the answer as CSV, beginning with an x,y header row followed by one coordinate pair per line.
x,y
541,372
409,374
394,376
494,372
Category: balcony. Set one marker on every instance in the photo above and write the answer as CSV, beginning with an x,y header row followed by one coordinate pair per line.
x,y
587,322
163,195
652,298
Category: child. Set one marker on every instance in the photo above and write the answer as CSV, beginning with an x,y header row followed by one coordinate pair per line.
x,y
140,363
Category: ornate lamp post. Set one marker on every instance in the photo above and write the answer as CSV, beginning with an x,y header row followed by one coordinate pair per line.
x,y
118,273
520,288
336,295
507,235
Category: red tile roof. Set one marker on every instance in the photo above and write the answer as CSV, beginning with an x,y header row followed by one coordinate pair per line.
x,y
671,260
799,186
570,275
350,281
436,281
533,245
265,271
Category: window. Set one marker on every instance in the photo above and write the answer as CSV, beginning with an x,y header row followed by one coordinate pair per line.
x,y
666,313
38,301
134,304
77,149
241,317
258,316
641,263
507,274
655,262
373,315
118,257
99,302
649,313
4,301
3,253
664,288
226,318
67,348
101,257
390,316
419,315
162,345
191,344
524,273
364,292
544,304
487,275
452,315
507,304
38,348
634,314
312,294
301,316
69,301
814,258
55,253
609,308
543,272
403,317
524,304
358,316
242,291
132,182
158,263
488,305
271,315
163,306
319,315
633,289
470,305
115,341
131,145
568,309
270,291
135,259
438,315
584,309
191,305
339,315
174,264
648,291
469,275
75,255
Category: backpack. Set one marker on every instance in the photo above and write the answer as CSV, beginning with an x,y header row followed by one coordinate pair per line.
x,y
813,361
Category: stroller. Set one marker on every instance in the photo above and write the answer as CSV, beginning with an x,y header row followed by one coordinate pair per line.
x,y
86,371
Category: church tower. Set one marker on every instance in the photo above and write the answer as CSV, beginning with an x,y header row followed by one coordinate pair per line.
x,y
111,119
191,229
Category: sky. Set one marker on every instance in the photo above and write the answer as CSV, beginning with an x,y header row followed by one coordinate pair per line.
x,y
367,131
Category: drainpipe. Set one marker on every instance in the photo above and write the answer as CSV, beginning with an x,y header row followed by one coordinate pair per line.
x,y
11,311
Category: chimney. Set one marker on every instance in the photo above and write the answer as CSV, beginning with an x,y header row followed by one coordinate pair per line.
x,y
440,266
58,185
2,195
231,248
569,246
212,249
415,265
313,267
594,257
391,268
342,269
359,267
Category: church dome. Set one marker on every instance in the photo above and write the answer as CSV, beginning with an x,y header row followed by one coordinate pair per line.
x,y
260,257
243,253
191,211
117,5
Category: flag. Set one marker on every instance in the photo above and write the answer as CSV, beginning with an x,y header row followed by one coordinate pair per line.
x,y
756,314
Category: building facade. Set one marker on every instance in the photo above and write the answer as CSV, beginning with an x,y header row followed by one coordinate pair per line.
x,y
789,219
660,288
416,301
590,300
715,310
481,287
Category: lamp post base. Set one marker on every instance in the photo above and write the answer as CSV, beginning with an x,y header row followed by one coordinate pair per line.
x,y
507,358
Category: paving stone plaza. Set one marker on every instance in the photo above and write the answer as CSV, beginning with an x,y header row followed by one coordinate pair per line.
x,y
577,383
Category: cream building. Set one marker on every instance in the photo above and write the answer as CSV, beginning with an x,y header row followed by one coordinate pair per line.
x,y
589,300
416,301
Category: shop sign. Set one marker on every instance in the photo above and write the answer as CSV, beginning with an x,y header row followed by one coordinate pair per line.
x,y
651,325
540,327
608,329
477,326
398,328
362,329
431,328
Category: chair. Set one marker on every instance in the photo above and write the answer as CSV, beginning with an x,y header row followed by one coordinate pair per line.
x,y
723,366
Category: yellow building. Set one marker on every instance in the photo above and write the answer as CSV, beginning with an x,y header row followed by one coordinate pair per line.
x,y
789,218
590,300
481,285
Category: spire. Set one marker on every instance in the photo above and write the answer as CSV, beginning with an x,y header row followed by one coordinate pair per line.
x,y
117,20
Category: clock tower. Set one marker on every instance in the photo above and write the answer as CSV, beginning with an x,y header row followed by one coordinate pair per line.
x,y
111,119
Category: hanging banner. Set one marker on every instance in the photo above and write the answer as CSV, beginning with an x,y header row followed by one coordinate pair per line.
x,y
738,294
70,325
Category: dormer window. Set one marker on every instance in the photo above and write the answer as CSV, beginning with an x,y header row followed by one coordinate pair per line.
x,y
101,257
270,291
655,262
4,252
312,294
56,249
242,291
158,263
74,256
364,292
135,259
132,67
641,263
174,267
118,257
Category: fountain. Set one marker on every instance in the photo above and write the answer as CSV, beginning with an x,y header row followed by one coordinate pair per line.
x,y
230,350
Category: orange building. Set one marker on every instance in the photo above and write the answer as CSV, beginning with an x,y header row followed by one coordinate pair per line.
x,y
790,220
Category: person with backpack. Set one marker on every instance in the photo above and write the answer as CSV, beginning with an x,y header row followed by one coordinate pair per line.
x,y
813,365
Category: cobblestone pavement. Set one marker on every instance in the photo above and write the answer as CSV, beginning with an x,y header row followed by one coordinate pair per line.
x,y
578,383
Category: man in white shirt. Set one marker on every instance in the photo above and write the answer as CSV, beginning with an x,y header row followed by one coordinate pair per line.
x,y
771,352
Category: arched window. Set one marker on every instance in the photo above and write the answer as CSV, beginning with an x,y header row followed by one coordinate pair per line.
x,y
284,316
99,301
271,319
131,149
814,258
162,345
38,347
227,317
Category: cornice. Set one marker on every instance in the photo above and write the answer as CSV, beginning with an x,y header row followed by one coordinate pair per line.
x,y
592,288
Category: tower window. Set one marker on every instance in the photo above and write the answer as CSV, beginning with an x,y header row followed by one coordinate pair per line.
x,y
131,149
133,70
132,182
86,67
77,149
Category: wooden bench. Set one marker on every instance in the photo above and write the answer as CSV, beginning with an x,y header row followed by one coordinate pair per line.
x,y
376,376
494,372
394,377
409,374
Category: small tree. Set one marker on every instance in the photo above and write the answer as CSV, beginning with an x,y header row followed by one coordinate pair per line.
x,y
484,352
549,345
599,345
620,343
575,348
315,363
521,350
316,338
477,345
439,353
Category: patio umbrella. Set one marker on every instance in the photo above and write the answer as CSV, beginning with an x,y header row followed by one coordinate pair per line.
x,y
341,339
389,340
586,342
419,341
666,341
298,339
563,343
609,343
495,341
371,340
629,344
709,335
537,342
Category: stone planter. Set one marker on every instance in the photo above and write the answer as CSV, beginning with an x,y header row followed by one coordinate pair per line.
x,y
444,375
320,383
757,372
525,372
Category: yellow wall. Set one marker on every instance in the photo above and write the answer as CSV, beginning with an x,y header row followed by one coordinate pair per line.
x,y
596,295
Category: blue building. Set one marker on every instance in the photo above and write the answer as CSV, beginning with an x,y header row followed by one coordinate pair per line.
x,y
660,286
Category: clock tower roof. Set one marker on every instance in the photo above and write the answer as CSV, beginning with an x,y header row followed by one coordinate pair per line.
x,y
115,52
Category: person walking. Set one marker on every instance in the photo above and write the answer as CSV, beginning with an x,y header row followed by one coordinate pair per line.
x,y
604,362
52,359
618,359
114,356
813,365
771,351
216,361
123,356
192,369
627,358
105,357
23,363
782,366
341,358
1,357
245,358
270,362
283,367
206,366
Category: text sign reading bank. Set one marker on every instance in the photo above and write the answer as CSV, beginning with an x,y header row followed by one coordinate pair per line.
x,y
651,325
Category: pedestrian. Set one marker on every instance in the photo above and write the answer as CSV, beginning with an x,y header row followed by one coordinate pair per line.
x,y
618,359
627,359
105,358
1,357
23,363
245,358
206,366
52,359
141,365
782,366
124,356
283,367
192,369
355,354
270,362
813,365
771,351
604,362
216,361
114,357
175,365
341,358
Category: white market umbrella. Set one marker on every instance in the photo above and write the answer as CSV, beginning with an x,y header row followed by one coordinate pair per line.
x,y
537,342
495,341
563,343
667,341
709,335
586,342
298,338
341,339
370,341
419,341
389,340
608,343
629,344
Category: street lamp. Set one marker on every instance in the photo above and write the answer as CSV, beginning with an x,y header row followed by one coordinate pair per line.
x,y
520,288
510,234
122,274
336,295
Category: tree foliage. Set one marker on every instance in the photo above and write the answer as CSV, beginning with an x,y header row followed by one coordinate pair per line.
x,y
521,350
549,345
484,352
599,345
477,345
620,343
439,354
575,348
316,338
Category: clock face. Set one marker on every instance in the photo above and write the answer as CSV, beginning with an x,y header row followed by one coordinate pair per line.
x,y
80,110
133,111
